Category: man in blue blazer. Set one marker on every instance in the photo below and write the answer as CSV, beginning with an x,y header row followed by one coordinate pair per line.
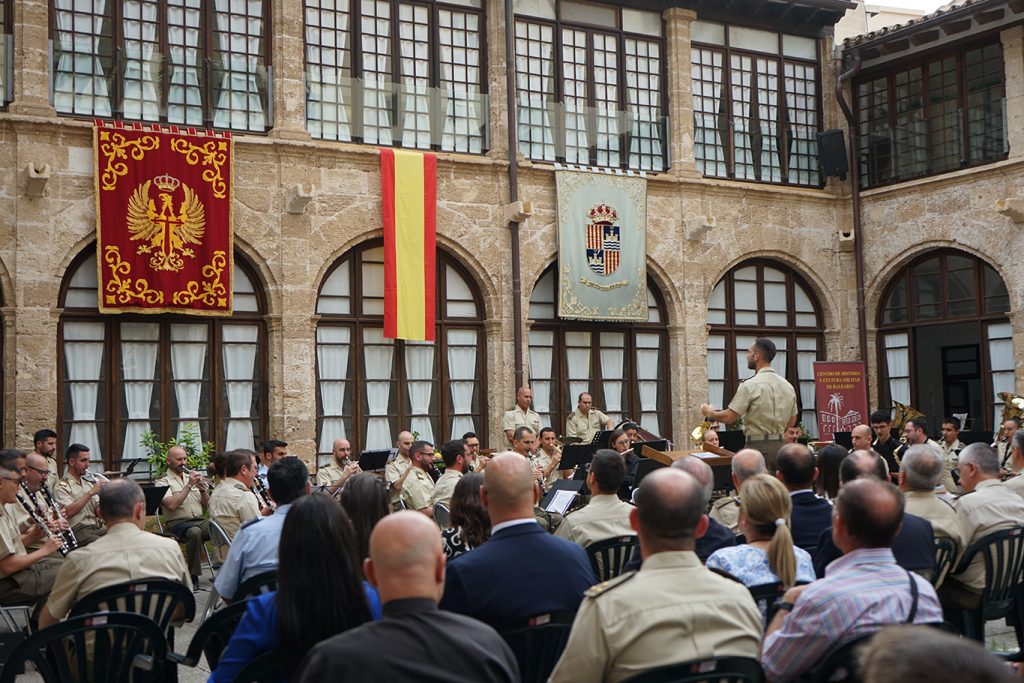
x,y
522,571
796,469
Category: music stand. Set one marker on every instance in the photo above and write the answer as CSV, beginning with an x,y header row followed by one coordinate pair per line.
x,y
732,440
154,496
600,439
571,485
844,439
576,455
969,437
370,461
645,467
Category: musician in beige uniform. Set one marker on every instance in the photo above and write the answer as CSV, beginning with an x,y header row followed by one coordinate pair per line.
x,y
766,402
1016,482
78,496
126,553
35,474
45,446
456,455
24,576
341,467
233,503
398,467
921,470
520,415
586,420
1004,444
186,497
605,516
672,609
418,490
745,464
548,456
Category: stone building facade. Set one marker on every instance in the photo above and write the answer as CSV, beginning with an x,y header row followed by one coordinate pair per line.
x,y
702,229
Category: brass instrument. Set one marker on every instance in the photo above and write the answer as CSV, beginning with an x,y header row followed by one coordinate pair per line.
x,y
57,514
262,495
697,435
35,513
902,415
93,477
1013,407
204,478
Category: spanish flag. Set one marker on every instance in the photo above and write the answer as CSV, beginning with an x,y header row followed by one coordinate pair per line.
x,y
409,182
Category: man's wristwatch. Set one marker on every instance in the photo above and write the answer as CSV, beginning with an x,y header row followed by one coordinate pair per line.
x,y
782,604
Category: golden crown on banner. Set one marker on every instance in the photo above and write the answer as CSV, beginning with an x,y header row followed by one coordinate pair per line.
x,y
602,213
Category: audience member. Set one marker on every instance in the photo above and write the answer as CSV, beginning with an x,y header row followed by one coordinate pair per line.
x,y
365,499
414,640
986,506
254,549
522,571
717,535
605,516
232,504
671,610
470,525
861,437
746,463
919,654
828,461
125,553
862,591
319,593
914,545
921,470
811,514
769,555
455,455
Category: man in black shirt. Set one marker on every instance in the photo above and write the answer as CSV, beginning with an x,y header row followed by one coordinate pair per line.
x,y
885,443
407,565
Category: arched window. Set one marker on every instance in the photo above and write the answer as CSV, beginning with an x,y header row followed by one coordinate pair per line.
x,y
369,388
624,366
123,375
761,298
944,341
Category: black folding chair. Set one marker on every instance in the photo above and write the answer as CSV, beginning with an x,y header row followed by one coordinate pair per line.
x,y
765,596
442,515
717,670
263,669
537,643
212,637
1003,554
261,583
945,554
123,647
608,557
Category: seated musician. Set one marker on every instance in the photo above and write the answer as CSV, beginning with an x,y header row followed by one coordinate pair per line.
x,y
233,503
605,516
77,492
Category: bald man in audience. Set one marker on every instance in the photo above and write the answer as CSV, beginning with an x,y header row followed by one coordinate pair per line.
x,y
745,464
407,565
861,436
522,571
798,470
671,610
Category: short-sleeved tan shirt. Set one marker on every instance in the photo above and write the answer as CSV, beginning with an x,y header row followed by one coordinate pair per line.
x,y
418,490
125,553
393,471
544,460
991,506
766,402
190,508
726,511
517,417
232,505
583,426
945,524
10,539
328,474
52,478
445,486
68,491
604,517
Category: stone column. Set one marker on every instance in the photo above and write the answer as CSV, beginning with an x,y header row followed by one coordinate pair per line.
x,y
497,92
31,59
287,47
1013,66
680,91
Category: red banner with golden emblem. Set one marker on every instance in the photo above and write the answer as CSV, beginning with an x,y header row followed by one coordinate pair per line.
x,y
163,219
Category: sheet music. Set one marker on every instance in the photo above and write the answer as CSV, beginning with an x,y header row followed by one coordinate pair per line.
x,y
561,501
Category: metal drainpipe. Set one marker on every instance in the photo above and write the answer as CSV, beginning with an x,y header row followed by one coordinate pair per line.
x,y
513,191
858,242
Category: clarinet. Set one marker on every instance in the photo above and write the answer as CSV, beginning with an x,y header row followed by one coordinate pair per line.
x,y
263,495
68,534
41,522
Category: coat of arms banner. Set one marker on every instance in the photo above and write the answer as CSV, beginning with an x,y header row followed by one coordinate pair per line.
x,y
163,219
602,246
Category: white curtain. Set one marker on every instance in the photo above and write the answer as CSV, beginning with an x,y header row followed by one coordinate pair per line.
x,y
140,343
415,87
462,379
716,370
462,124
612,372
541,356
377,87
83,355
239,352
332,349
419,371
535,87
806,354
330,88
647,351
897,360
577,357
1001,365
742,344
188,359
239,104
140,98
79,85
378,354
184,103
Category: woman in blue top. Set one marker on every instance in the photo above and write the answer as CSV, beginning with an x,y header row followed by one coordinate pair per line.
x,y
769,555
320,591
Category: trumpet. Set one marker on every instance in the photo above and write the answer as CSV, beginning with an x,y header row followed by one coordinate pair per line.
x,y
93,477
262,495
203,477
58,514
36,514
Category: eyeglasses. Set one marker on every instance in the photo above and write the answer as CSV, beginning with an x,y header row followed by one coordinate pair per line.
x,y
38,470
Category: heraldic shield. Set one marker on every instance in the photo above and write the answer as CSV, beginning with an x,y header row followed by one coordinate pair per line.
x,y
603,240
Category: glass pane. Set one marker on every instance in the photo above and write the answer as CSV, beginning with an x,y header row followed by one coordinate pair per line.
x,y
997,299
589,13
753,39
707,32
927,289
798,46
640,21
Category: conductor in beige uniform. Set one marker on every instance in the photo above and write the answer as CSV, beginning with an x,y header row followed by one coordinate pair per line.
x,y
24,576
745,464
586,420
126,553
605,516
78,496
232,504
418,491
766,402
672,609
520,415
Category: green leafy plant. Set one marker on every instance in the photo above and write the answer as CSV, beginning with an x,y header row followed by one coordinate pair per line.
x,y
156,451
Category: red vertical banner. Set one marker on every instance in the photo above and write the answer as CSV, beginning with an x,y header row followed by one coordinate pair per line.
x,y
840,397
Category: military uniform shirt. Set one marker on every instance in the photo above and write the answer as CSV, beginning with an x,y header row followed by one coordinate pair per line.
x,y
949,458
726,511
68,491
445,486
190,508
1005,451
585,426
10,538
232,505
604,517
945,524
418,490
1015,484
393,471
517,417
766,402
125,553
671,610
328,474
989,507
52,478
544,460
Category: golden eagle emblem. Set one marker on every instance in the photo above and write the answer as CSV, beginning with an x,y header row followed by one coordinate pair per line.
x,y
166,234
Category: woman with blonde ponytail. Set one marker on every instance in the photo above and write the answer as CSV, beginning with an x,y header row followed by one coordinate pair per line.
x,y
769,555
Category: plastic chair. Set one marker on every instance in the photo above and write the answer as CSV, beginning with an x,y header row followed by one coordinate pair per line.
x,y
263,669
717,670
945,554
261,583
765,596
212,637
608,557
124,647
442,515
1003,554
537,643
